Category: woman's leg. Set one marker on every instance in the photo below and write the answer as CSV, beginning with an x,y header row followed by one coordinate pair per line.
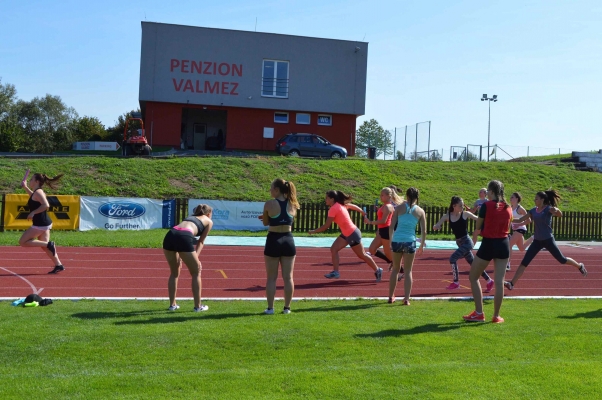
x,y
361,254
514,239
288,265
271,269
394,272
174,267
194,267
408,261
499,268
376,243
476,269
44,238
338,245
535,247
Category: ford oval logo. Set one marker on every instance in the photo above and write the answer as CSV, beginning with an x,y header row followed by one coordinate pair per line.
x,y
122,210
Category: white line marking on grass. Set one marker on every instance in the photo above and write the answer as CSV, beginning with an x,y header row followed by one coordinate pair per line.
x,y
36,291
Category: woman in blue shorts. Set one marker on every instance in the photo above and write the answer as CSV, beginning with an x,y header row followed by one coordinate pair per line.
x,y
280,249
546,207
179,245
458,222
403,241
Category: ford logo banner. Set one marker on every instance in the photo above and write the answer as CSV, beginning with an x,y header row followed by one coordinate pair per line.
x,y
122,210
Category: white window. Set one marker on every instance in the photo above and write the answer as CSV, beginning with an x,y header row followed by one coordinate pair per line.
x,y
324,119
281,118
274,81
268,133
303,119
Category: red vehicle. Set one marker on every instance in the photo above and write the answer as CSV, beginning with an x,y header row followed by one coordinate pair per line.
x,y
134,140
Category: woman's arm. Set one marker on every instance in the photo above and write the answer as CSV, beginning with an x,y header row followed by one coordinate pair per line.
x,y
422,232
555,211
393,223
524,218
439,224
477,229
471,215
27,189
201,243
323,227
353,207
265,218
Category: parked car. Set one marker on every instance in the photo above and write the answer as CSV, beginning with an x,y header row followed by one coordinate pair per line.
x,y
309,145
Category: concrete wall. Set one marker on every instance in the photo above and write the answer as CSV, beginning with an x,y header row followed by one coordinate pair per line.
x,y
325,75
591,160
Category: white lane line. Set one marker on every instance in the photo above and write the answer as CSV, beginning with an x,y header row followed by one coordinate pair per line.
x,y
36,291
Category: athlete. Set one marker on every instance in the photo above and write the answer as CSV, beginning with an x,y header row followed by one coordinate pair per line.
x,y
38,235
518,230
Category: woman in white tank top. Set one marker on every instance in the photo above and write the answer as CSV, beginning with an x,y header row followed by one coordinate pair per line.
x,y
518,230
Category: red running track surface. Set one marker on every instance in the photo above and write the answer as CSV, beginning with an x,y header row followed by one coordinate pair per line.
x,y
239,272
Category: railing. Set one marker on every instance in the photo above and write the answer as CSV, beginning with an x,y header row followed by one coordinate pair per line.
x,y
573,225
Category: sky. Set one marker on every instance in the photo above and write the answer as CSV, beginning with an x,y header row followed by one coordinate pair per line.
x,y
427,60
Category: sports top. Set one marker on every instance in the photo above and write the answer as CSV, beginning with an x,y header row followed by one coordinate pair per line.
x,y
379,214
342,219
283,218
497,219
459,227
542,222
199,225
40,219
516,215
406,226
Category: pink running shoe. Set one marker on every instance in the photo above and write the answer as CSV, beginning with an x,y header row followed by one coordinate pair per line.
x,y
453,285
489,286
474,317
497,320
406,302
391,300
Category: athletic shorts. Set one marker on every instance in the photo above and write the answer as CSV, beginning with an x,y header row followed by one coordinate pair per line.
x,y
522,231
180,241
384,233
403,247
494,248
280,244
354,239
42,228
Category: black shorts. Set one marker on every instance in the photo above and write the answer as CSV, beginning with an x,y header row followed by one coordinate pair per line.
x,y
494,248
180,241
280,245
522,231
384,233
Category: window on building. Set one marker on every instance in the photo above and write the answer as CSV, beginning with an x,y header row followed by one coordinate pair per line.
x,y
303,119
275,79
281,118
324,119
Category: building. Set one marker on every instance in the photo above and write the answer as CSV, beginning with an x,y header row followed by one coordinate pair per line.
x,y
205,88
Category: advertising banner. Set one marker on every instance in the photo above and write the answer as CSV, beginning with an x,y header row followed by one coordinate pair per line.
x,y
63,211
112,213
233,215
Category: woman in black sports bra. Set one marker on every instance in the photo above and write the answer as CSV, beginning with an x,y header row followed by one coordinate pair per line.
x,y
39,233
280,249
179,245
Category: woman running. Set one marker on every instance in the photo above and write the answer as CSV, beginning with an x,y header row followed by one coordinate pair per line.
x,y
494,221
457,219
179,245
546,207
280,249
518,230
339,203
389,199
39,233
403,241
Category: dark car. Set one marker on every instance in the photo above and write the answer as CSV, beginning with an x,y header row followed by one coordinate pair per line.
x,y
309,145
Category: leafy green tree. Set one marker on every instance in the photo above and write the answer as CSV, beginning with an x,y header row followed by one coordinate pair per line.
x,y
11,134
399,156
88,129
371,134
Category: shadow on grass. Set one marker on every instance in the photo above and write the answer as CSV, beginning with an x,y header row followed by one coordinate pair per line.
x,y
117,314
588,314
317,285
428,328
185,318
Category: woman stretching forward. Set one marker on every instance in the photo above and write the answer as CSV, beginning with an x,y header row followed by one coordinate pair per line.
x,y
541,215
457,219
339,203
403,241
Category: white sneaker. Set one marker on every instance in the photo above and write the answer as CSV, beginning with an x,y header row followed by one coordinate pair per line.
x,y
201,308
286,311
378,274
173,308
269,311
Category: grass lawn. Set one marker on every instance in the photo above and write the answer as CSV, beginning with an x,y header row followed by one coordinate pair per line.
x,y
362,349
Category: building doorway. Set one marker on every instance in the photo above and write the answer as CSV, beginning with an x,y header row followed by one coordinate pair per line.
x,y
204,129
199,133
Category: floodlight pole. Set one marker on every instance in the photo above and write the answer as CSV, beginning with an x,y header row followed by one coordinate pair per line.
x,y
489,130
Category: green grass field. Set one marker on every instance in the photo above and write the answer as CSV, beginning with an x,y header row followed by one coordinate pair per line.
x,y
363,349
248,179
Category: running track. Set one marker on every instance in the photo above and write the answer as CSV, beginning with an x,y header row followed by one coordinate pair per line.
x,y
239,272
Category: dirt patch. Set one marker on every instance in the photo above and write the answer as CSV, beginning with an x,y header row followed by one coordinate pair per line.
x,y
180,185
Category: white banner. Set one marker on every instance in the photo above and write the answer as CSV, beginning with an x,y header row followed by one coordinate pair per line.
x,y
233,215
113,213
106,146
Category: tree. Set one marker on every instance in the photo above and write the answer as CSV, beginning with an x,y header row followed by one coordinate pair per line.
x,y
115,133
399,156
88,129
11,134
468,156
371,134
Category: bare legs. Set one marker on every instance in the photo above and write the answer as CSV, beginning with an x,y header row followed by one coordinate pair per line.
x,y
36,238
194,267
408,261
476,269
271,267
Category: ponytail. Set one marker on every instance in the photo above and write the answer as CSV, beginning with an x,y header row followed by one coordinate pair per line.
x,y
43,179
412,195
550,197
454,200
339,197
497,187
202,209
288,190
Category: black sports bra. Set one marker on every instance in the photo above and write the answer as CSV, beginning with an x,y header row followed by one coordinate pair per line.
x,y
284,218
199,225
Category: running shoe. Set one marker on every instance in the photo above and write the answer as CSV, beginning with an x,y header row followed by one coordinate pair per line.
x,y
269,311
52,247
286,311
57,269
173,308
399,276
406,302
508,267
378,274
391,300
474,317
332,275
453,286
582,270
497,320
508,285
490,285
201,308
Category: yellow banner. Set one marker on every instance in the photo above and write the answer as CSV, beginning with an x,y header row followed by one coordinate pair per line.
x,y
63,211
